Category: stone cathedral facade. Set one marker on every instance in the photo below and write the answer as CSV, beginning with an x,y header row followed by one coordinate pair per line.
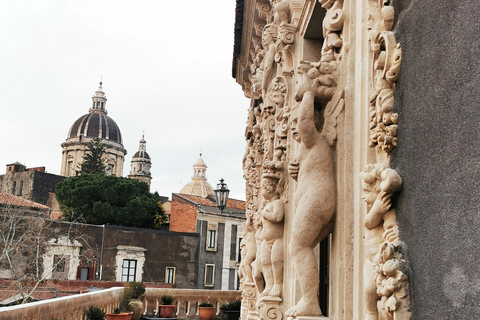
x,y
324,181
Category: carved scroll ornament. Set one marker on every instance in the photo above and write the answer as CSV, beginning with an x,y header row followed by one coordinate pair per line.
x,y
386,60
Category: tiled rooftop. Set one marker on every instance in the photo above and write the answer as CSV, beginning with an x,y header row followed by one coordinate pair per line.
x,y
231,203
10,199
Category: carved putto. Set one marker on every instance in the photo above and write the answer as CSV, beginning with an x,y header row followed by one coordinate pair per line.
x,y
386,286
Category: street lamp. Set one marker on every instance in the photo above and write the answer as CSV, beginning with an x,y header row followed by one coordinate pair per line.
x,y
221,195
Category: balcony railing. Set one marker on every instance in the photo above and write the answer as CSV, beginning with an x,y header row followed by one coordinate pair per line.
x,y
72,307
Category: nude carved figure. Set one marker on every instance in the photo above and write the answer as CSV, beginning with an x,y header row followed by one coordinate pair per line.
x,y
379,184
272,235
315,195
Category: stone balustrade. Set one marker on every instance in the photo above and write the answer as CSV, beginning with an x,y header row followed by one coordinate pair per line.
x,y
186,301
72,307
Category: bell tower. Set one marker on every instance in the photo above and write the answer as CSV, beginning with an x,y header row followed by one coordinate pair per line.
x,y
141,163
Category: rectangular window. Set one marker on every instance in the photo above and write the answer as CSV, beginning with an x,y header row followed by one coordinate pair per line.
x,y
129,268
211,238
170,275
209,275
59,263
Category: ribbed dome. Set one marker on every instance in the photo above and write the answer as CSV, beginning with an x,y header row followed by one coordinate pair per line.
x,y
141,154
95,125
199,188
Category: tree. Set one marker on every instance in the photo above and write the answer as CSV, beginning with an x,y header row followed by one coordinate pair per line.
x,y
102,199
93,161
25,238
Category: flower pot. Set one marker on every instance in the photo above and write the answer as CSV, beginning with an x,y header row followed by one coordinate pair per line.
x,y
119,316
206,313
166,311
136,306
231,314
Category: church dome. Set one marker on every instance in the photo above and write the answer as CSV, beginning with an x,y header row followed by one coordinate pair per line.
x,y
198,188
199,185
96,123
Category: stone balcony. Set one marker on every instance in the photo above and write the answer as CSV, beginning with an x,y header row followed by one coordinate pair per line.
x,y
72,307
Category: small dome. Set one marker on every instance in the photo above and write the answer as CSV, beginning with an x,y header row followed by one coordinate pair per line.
x,y
199,188
200,162
95,125
199,185
141,154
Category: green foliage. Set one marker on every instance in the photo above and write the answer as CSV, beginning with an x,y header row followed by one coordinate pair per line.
x,y
93,163
102,199
232,306
205,304
167,300
116,311
134,289
94,313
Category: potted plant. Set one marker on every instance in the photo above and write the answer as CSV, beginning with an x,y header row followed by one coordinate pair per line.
x,y
166,308
231,310
118,315
94,313
132,294
206,311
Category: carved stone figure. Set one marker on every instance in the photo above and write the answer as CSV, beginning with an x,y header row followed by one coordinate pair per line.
x,y
315,195
272,231
248,251
257,264
382,270
269,37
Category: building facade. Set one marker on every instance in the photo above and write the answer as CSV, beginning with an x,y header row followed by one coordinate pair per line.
x,y
360,134
29,183
194,210
95,124
220,236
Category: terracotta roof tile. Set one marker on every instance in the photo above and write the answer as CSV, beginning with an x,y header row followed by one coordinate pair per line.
x,y
231,203
10,199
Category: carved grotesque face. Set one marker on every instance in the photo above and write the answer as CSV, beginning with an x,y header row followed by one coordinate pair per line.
x,y
268,111
369,192
278,99
294,125
267,38
269,188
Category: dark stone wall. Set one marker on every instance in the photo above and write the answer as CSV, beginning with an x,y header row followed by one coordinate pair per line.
x,y
438,155
43,184
164,249
30,185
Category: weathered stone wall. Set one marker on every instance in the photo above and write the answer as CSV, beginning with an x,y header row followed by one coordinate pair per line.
x,y
163,249
30,185
438,102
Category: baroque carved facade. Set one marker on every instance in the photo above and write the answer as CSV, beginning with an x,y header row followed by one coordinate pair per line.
x,y
320,76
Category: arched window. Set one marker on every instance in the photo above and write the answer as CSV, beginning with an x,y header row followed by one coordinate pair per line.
x,y
14,186
21,188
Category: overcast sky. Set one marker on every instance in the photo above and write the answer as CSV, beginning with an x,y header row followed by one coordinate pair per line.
x,y
166,68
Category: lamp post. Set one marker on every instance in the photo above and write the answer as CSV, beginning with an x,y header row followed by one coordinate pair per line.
x,y
221,195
